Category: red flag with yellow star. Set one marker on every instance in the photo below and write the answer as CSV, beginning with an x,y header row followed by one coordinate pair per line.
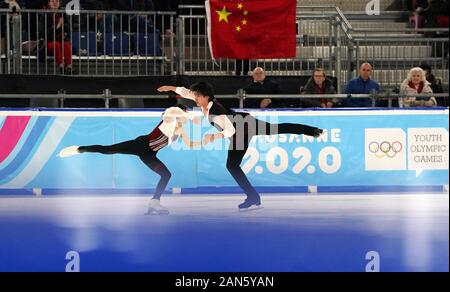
x,y
252,29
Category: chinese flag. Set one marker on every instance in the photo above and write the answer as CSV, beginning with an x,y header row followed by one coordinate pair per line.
x,y
251,29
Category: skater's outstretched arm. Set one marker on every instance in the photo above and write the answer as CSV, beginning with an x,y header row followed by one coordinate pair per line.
x,y
228,130
184,92
166,88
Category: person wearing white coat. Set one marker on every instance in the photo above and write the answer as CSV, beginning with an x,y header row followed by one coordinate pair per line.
x,y
416,83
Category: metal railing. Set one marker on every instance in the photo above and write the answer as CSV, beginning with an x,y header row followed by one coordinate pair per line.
x,y
393,57
240,96
110,43
326,39
313,50
355,5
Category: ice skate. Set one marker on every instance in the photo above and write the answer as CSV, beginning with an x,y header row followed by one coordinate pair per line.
x,y
69,151
250,204
155,208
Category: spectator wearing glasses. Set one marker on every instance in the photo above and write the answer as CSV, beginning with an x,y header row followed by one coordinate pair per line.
x,y
318,84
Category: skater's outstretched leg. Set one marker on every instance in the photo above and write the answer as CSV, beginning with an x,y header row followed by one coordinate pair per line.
x,y
69,151
265,128
299,129
132,147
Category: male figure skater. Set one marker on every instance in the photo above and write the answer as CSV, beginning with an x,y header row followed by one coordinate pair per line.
x,y
240,127
146,148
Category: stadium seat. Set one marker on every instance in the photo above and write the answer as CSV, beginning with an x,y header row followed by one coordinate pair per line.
x,y
147,44
84,43
117,44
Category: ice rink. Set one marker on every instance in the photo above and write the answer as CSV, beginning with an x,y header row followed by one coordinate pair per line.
x,y
334,232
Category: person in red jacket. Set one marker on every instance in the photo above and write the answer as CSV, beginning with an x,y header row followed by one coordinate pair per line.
x,y
55,28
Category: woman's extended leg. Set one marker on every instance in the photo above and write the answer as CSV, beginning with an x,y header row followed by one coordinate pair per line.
x,y
132,147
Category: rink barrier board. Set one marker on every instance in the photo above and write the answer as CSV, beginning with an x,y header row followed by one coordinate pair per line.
x,y
126,119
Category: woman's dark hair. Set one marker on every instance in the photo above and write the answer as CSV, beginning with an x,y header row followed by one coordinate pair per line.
x,y
204,89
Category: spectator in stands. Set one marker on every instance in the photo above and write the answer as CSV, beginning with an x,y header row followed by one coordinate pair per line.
x,y
435,83
361,85
416,83
58,39
318,84
261,85
418,6
418,10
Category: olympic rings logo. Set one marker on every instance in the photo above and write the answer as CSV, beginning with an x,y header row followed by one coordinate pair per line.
x,y
385,149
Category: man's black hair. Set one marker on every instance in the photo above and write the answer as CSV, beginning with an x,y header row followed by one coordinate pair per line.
x,y
204,89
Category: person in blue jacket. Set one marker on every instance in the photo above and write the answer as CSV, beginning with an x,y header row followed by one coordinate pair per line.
x,y
361,85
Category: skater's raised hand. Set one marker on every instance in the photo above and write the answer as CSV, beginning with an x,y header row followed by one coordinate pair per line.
x,y
166,88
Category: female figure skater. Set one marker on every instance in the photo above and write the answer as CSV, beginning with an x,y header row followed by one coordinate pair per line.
x,y
146,147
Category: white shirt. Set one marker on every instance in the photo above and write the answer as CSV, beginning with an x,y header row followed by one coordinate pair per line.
x,y
222,121
170,118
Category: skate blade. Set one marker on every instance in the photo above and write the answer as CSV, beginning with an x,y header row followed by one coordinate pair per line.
x,y
251,208
156,212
